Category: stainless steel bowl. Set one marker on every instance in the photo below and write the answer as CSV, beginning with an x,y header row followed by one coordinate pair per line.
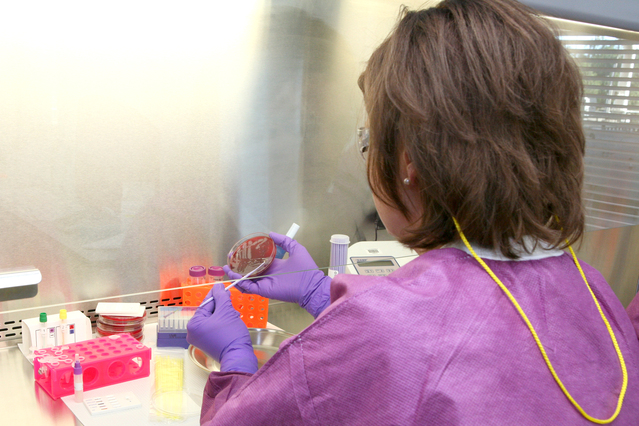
x,y
266,341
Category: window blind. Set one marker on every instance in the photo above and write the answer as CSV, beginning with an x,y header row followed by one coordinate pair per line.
x,y
609,63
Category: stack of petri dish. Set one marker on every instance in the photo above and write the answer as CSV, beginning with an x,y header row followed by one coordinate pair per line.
x,y
108,325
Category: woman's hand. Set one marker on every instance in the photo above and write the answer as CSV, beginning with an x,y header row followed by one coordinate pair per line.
x,y
296,279
216,328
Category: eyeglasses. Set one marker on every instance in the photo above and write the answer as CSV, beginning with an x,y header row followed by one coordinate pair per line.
x,y
363,137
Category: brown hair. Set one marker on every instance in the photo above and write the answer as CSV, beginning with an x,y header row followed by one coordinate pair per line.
x,y
486,103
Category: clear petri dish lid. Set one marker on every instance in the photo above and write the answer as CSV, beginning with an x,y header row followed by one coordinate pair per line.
x,y
251,252
137,335
176,405
118,328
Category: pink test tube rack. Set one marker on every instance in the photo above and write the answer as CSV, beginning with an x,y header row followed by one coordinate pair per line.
x,y
105,361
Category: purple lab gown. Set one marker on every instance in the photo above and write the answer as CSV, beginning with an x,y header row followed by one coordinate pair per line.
x,y
438,343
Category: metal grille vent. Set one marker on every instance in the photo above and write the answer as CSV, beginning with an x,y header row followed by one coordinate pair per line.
x,y
11,326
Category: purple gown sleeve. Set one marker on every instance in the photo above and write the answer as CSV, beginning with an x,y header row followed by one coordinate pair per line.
x,y
270,396
633,313
218,390
279,392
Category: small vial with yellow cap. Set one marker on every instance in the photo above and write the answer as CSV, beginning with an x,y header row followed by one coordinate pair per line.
x,y
66,330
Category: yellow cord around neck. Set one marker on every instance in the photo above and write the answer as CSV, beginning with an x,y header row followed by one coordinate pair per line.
x,y
624,371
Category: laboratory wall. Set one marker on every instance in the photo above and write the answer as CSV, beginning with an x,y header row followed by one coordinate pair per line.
x,y
138,139
141,138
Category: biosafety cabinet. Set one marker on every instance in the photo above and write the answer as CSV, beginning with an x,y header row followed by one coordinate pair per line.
x,y
140,138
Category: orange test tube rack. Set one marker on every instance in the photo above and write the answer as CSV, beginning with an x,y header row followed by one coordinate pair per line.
x,y
253,308
195,295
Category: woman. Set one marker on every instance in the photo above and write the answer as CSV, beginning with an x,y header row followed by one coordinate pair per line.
x,y
476,162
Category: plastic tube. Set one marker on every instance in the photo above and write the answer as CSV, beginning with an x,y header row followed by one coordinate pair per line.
x,y
41,333
339,254
291,234
78,385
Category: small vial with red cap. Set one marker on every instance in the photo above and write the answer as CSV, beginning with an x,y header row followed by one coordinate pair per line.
x,y
197,275
216,274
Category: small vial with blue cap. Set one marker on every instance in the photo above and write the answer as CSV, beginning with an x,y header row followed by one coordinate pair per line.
x,y
291,234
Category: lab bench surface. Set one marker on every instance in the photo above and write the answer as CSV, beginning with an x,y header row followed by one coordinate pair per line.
x,y
23,402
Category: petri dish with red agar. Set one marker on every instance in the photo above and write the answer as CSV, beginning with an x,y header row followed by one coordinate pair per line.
x,y
108,325
251,252
117,320
105,330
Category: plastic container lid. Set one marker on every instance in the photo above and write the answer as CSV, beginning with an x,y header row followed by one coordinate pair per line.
x,y
340,239
63,314
216,271
251,252
43,317
197,271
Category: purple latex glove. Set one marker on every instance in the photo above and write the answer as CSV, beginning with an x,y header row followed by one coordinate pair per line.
x,y
216,328
310,288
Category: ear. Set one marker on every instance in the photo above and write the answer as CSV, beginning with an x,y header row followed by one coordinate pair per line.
x,y
408,168
410,187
